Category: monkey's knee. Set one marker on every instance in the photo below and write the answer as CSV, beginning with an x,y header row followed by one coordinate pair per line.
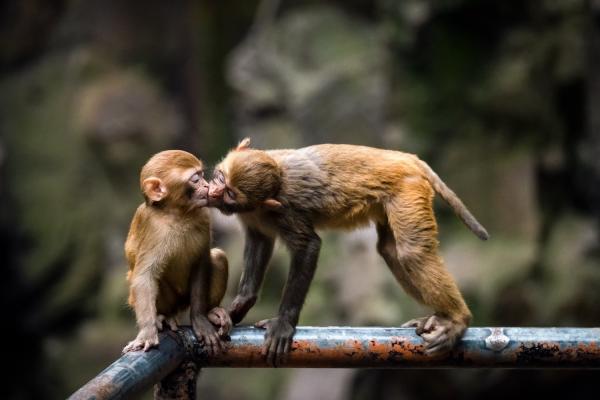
x,y
387,250
218,259
412,256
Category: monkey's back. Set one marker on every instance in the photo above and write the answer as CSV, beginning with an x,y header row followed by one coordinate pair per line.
x,y
344,186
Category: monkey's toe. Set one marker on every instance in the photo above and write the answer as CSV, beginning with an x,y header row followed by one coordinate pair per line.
x,y
141,344
439,334
219,317
207,335
173,324
160,319
420,324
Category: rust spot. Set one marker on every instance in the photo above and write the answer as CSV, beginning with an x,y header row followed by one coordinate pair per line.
x,y
536,351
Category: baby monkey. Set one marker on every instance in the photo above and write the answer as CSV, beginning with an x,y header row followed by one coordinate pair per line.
x,y
171,264
289,194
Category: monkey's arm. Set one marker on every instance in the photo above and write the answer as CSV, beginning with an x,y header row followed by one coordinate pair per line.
x,y
305,247
219,273
257,253
144,289
199,308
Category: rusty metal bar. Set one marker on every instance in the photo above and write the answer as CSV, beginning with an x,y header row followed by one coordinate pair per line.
x,y
340,347
136,372
349,347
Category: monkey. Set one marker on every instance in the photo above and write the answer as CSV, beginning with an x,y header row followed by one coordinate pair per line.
x,y
171,264
290,194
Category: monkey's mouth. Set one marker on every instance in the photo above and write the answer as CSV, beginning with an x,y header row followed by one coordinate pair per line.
x,y
200,197
214,202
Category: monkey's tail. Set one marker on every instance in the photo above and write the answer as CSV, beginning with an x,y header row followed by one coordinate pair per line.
x,y
452,199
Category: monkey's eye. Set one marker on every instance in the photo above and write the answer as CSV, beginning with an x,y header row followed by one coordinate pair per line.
x,y
196,177
230,193
220,177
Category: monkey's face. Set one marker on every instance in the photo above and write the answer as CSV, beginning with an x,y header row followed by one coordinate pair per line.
x,y
195,188
244,180
224,196
174,179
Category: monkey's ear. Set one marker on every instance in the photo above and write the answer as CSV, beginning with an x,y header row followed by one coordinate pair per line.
x,y
154,189
244,144
272,204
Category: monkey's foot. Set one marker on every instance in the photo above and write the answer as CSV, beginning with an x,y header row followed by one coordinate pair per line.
x,y
220,318
171,321
440,334
145,340
207,335
278,339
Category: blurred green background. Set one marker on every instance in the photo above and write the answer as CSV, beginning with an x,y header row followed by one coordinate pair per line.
x,y
501,97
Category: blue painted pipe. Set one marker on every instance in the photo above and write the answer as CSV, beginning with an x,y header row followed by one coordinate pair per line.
x,y
351,347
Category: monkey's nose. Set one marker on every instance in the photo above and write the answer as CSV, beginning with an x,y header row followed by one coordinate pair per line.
x,y
215,192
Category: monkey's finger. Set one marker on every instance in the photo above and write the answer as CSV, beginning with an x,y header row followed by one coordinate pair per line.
x,y
262,324
214,346
217,343
440,344
272,353
266,346
439,348
430,323
432,337
173,324
413,323
416,323
214,318
209,345
227,325
281,353
134,345
160,319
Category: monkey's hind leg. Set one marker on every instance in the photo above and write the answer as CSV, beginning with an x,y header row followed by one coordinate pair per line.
x,y
218,286
408,244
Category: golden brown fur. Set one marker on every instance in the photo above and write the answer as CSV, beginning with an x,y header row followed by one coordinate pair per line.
x,y
288,194
171,265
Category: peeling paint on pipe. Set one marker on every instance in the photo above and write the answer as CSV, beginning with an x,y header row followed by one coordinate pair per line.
x,y
351,347
135,372
347,347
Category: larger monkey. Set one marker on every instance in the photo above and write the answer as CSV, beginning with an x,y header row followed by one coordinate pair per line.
x,y
290,193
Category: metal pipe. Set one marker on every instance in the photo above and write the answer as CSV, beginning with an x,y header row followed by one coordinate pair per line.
x,y
349,347
135,372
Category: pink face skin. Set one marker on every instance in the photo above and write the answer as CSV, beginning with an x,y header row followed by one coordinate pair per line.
x,y
199,197
216,190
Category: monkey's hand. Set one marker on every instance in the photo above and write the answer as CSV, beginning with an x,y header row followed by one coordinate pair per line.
x,y
278,339
145,340
206,333
220,318
440,334
240,307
